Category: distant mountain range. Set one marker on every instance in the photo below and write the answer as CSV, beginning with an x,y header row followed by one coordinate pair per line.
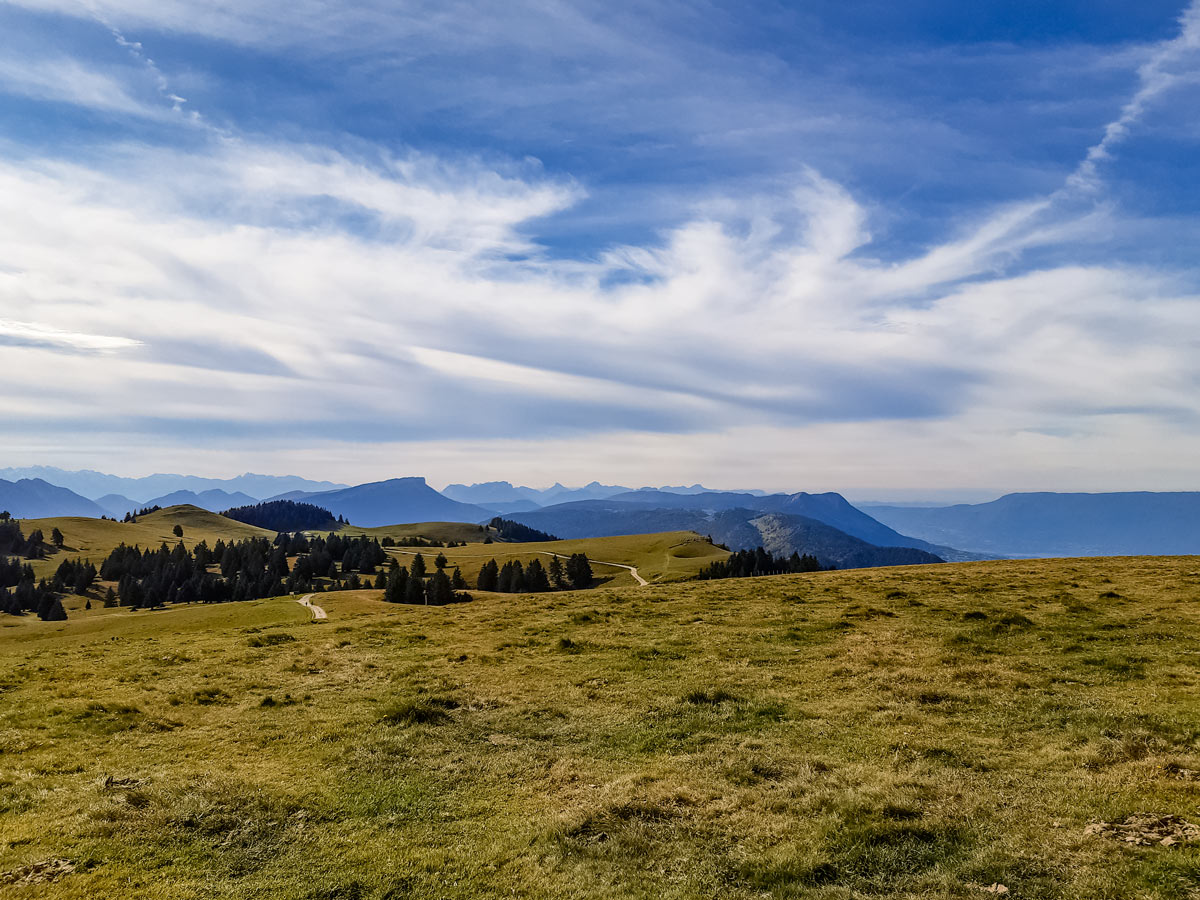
x,y
1048,524
505,497
391,502
94,485
33,498
1018,525
740,528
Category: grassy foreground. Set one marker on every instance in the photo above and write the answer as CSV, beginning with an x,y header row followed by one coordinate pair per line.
x,y
916,732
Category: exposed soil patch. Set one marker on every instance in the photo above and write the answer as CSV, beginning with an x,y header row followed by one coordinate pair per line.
x,y
1147,829
43,872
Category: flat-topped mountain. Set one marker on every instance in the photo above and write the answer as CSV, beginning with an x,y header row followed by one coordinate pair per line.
x,y
391,502
1049,524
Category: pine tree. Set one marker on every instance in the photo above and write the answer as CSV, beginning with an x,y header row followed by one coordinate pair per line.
x,y
418,567
556,573
177,531
579,571
56,538
439,589
441,562
414,591
536,579
488,576
457,582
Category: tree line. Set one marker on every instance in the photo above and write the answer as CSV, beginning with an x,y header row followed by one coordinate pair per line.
x,y
20,591
748,563
515,578
402,584
283,515
517,533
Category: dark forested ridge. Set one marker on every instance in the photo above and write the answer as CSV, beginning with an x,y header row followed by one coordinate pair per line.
x,y
517,533
283,515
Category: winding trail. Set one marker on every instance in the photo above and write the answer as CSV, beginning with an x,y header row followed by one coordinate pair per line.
x,y
642,582
317,612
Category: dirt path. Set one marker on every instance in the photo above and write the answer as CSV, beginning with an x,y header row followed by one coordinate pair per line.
x,y
642,582
317,612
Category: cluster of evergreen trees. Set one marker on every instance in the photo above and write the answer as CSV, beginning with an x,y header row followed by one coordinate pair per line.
x,y
327,557
518,533
515,578
133,516
26,594
28,597
404,585
282,515
14,543
747,563
390,541
249,570
74,576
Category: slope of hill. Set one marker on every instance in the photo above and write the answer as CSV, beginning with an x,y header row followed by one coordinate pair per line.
x,y
396,500
830,508
33,498
659,558
213,500
118,504
834,735
94,539
1048,524
784,535
738,529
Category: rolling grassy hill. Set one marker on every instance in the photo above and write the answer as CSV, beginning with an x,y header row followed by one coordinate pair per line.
x,y
665,557
917,732
94,539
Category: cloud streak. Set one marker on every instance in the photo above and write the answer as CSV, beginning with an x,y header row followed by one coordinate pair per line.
x,y
403,308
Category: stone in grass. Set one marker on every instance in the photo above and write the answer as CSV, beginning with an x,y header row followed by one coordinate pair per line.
x,y
1148,829
43,872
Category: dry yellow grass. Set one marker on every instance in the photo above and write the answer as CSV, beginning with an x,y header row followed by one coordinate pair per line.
x,y
917,732
94,539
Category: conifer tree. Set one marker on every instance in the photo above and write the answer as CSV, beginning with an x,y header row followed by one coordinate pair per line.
x,y
556,573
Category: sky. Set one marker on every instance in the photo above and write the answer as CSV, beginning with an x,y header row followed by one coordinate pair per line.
x,y
920,250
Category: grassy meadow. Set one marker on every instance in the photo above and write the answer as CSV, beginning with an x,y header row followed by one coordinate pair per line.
x,y
661,558
94,539
946,731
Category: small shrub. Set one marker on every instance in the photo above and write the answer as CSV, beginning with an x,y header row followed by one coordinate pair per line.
x,y
709,698
272,639
426,711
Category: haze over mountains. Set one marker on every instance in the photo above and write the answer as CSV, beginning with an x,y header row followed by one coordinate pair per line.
x,y
1017,525
92,484
1049,525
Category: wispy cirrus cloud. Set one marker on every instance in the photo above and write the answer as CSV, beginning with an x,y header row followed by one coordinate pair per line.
x,y
364,301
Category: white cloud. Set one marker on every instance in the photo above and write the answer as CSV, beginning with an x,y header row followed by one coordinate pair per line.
x,y
377,314
243,319
66,80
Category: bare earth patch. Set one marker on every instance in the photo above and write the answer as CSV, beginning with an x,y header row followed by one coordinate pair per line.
x,y
38,873
1146,829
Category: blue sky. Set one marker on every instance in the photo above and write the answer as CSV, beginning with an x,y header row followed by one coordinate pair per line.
x,y
918,249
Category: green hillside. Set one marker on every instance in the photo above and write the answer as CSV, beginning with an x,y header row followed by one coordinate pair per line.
x,y
94,539
672,556
916,732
